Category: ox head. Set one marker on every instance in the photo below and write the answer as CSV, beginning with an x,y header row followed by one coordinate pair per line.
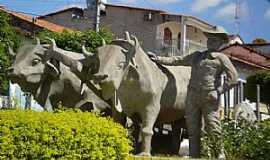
x,y
116,61
30,67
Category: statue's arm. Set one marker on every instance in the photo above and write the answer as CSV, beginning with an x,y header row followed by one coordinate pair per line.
x,y
231,74
186,60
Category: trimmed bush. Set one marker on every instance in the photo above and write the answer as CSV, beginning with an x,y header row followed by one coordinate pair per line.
x,y
62,135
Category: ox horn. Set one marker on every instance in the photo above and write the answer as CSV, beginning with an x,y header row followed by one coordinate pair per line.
x,y
103,42
136,41
127,36
86,53
38,41
11,52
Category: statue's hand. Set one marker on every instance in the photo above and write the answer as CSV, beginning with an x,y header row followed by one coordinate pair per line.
x,y
212,95
153,56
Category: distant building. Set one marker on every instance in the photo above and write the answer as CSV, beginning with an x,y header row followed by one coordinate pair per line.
x,y
164,33
262,48
29,26
247,61
235,38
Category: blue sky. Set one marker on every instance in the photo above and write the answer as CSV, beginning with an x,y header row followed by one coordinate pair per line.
x,y
254,15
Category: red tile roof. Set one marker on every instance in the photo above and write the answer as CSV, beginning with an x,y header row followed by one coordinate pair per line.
x,y
40,23
247,55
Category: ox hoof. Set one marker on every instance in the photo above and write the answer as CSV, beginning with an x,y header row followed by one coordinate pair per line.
x,y
144,154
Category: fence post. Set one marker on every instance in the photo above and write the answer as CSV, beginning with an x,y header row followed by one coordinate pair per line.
x,y
241,92
258,103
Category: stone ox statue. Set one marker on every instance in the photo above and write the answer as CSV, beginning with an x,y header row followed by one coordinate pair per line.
x,y
50,81
148,93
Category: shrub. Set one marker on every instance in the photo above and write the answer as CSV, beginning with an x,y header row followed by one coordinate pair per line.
x,y
62,135
242,140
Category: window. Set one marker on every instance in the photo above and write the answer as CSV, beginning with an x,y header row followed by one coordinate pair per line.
x,y
148,16
77,14
179,41
167,36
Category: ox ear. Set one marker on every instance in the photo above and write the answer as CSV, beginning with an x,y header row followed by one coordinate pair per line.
x,y
52,69
11,52
124,44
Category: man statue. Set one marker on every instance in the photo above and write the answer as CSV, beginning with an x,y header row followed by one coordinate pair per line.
x,y
205,88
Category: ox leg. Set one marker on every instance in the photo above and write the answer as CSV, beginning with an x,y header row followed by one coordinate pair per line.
x,y
48,107
148,121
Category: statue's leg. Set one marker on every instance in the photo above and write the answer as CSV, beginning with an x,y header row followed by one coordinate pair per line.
x,y
212,124
193,120
148,120
48,107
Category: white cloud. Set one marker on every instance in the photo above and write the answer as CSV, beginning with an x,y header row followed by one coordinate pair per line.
x,y
228,12
267,14
202,5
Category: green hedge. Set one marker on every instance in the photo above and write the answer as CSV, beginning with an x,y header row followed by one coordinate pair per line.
x,y
63,135
242,141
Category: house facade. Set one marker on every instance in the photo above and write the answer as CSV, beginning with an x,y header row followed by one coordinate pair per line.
x,y
158,31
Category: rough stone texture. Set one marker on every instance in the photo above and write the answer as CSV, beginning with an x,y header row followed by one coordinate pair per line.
x,y
148,92
51,82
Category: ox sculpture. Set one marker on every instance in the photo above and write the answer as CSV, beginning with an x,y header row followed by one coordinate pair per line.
x,y
50,81
148,92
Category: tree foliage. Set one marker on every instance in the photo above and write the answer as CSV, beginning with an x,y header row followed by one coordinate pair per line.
x,y
259,41
8,37
73,41
261,78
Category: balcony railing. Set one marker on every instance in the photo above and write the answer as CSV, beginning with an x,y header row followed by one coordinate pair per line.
x,y
172,47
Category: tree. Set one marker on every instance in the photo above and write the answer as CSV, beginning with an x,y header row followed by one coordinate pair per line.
x,y
8,37
261,78
259,41
73,40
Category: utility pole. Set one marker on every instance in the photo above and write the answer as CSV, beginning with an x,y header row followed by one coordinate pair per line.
x,y
98,3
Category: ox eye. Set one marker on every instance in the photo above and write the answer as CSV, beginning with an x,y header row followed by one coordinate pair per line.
x,y
35,61
121,65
